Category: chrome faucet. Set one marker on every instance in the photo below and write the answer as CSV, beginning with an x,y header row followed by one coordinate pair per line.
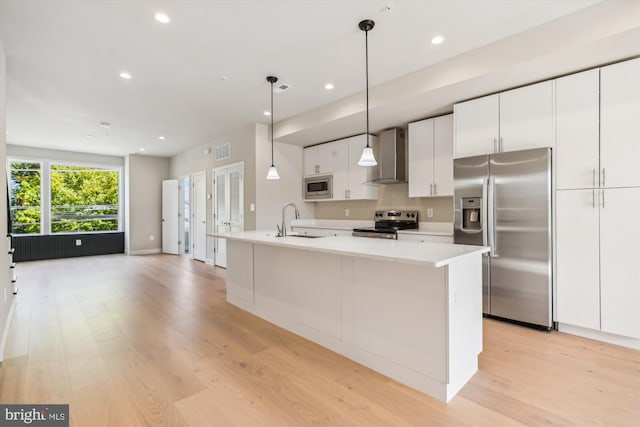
x,y
282,230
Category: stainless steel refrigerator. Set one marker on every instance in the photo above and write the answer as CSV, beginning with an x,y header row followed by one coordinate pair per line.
x,y
503,201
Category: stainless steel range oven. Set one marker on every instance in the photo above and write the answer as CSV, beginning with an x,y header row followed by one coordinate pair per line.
x,y
387,223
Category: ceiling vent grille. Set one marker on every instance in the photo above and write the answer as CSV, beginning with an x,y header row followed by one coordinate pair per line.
x,y
283,87
223,151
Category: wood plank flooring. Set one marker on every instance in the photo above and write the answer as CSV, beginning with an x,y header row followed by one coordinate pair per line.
x,y
150,340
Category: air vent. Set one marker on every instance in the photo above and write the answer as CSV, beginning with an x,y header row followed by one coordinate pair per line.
x,y
281,88
223,151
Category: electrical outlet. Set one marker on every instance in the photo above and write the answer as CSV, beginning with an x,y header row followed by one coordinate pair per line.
x,y
430,213
152,237
78,242
346,212
252,207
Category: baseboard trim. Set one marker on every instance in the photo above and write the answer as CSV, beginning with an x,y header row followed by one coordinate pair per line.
x,y
7,326
629,342
146,252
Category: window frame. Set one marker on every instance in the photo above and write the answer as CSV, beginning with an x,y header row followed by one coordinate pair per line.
x,y
45,192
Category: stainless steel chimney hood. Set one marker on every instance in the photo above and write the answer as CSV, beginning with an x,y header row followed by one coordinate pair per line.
x,y
392,160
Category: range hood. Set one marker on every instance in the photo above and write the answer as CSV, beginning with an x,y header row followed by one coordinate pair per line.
x,y
392,159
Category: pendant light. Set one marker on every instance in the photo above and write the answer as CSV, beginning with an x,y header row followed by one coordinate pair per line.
x,y
273,172
367,158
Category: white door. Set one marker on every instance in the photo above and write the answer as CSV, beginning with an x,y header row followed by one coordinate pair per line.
x,y
620,261
476,124
199,215
443,155
228,210
577,258
577,130
620,124
526,117
421,158
170,216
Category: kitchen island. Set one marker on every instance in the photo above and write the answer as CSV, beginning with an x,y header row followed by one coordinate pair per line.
x,y
409,310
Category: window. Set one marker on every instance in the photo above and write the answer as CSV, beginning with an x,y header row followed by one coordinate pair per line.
x,y
83,199
24,197
47,197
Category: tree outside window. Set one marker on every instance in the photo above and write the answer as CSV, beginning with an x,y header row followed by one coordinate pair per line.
x,y
83,199
24,197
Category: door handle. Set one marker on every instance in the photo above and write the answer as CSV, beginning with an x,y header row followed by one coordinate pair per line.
x,y
483,212
492,217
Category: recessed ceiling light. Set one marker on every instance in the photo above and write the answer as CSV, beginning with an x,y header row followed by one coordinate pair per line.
x,y
140,149
125,75
437,40
328,86
162,17
161,137
267,113
89,136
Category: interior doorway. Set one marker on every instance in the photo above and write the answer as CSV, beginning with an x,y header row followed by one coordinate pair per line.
x,y
228,206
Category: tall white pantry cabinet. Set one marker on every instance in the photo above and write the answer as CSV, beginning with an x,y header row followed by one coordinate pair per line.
x,y
598,202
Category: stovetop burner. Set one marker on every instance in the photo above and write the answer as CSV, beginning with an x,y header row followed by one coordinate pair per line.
x,y
387,223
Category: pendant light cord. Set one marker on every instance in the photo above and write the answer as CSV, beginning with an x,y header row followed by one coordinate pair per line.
x,y
272,124
366,60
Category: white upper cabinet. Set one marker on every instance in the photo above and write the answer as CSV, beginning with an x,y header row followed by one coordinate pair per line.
x,y
526,117
340,159
577,130
431,157
325,158
620,124
518,119
476,126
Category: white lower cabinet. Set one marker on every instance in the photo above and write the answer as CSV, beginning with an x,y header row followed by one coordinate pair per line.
x,y
598,259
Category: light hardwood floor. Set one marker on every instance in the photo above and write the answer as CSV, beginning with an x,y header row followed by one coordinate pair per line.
x,y
150,340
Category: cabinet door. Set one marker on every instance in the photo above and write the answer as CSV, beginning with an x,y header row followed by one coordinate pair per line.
x,y
360,176
620,261
577,130
310,160
620,124
526,117
577,271
443,156
476,126
333,158
421,151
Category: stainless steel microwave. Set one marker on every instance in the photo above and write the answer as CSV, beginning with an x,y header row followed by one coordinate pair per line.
x,y
318,187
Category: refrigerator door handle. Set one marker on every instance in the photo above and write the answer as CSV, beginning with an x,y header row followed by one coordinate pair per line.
x,y
483,214
492,217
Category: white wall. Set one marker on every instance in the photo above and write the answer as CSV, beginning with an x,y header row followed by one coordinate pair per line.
x,y
35,153
143,195
271,195
6,295
242,143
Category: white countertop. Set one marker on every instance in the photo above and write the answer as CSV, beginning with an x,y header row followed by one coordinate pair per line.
x,y
432,254
426,228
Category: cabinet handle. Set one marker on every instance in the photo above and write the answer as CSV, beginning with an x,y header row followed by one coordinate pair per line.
x,y
593,198
501,145
593,177
495,145
602,191
435,189
431,189
603,184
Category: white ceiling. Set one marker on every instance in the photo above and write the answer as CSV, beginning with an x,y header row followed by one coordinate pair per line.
x,y
64,57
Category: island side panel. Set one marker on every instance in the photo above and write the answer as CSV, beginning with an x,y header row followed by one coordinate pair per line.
x,y
464,279
302,288
399,314
240,273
